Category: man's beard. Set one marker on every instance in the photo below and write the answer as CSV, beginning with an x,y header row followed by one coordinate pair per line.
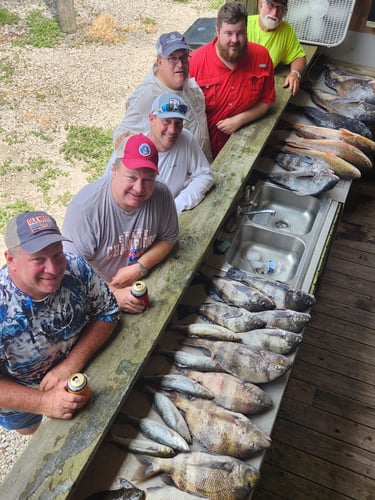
x,y
227,55
270,24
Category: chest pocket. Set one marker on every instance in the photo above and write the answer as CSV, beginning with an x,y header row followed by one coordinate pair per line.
x,y
210,90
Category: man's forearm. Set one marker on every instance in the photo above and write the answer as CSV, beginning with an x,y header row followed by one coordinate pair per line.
x,y
92,338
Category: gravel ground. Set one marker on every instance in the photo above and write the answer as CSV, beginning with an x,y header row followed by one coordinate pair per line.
x,y
79,82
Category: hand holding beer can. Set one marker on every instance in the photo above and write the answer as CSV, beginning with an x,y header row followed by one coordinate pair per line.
x,y
139,289
78,384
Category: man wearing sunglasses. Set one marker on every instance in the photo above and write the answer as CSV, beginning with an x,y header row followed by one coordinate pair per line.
x,y
170,73
182,165
278,36
236,77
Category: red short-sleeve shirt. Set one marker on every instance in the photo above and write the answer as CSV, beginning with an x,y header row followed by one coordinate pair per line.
x,y
229,92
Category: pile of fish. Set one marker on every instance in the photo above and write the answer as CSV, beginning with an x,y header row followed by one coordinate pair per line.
x,y
339,145
208,395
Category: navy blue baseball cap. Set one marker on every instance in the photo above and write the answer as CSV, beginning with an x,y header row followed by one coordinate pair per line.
x,y
32,231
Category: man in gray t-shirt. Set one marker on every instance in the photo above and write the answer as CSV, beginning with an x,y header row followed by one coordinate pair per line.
x,y
126,223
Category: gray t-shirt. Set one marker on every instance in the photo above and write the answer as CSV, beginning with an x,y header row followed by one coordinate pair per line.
x,y
110,238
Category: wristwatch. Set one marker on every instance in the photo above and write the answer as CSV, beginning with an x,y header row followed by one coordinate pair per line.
x,y
297,73
144,270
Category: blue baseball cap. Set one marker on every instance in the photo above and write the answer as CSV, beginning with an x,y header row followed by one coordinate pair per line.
x,y
169,106
32,231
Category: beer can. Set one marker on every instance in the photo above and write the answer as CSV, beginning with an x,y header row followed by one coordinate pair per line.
x,y
139,289
78,384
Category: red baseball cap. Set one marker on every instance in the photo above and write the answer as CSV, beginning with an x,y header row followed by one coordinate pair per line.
x,y
138,151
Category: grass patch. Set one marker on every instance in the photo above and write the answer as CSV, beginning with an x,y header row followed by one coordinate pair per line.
x,y
43,31
93,145
11,210
43,174
8,17
6,71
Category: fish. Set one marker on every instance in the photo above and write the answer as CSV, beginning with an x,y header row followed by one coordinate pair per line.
x,y
180,383
332,120
293,159
357,109
207,330
284,295
286,319
222,431
159,432
235,318
256,367
340,148
165,492
275,340
350,85
241,295
169,413
232,393
308,182
365,144
189,360
127,491
272,339
143,446
199,473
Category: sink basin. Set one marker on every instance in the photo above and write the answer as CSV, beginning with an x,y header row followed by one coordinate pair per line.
x,y
252,243
294,214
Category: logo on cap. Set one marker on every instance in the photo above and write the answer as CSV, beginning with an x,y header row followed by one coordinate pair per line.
x,y
40,223
144,150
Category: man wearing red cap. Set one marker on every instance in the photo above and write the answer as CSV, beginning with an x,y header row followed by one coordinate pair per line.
x,y
126,223
55,314
278,36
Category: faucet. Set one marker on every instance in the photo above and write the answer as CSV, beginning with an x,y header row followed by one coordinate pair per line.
x,y
233,221
241,212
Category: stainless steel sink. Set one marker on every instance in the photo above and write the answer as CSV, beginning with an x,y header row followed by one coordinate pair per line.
x,y
286,240
281,254
294,214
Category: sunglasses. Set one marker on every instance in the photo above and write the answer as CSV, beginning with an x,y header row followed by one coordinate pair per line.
x,y
167,108
175,60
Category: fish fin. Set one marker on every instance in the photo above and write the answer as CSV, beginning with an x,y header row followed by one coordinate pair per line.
x,y
146,469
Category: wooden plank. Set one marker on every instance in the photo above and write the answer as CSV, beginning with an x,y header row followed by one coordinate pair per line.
x,y
281,484
60,451
300,391
324,447
335,310
334,382
328,424
317,470
351,349
337,363
348,296
355,236
345,406
347,330
346,282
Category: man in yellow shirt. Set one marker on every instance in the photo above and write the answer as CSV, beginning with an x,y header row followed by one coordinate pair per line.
x,y
278,36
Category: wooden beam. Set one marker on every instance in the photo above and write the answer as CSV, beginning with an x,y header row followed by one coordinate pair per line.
x,y
66,16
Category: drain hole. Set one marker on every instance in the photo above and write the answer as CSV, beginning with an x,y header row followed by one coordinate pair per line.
x,y
281,224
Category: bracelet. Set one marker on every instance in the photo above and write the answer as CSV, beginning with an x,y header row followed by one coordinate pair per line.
x,y
297,73
144,270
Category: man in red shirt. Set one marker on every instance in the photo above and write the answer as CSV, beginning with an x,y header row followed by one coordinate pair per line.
x,y
236,76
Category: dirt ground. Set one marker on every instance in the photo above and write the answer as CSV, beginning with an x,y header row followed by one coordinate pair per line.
x,y
83,81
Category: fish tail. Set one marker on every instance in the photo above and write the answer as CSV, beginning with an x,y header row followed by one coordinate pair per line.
x,y
147,469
